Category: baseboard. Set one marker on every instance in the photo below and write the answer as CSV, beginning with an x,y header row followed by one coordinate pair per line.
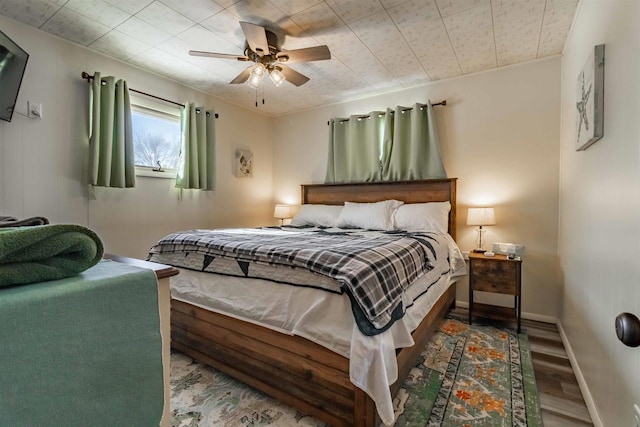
x,y
539,317
525,315
462,304
586,394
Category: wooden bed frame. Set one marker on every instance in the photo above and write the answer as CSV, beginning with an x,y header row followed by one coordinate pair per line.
x,y
295,370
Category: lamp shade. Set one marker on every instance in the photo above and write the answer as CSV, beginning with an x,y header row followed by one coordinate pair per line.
x,y
282,212
481,216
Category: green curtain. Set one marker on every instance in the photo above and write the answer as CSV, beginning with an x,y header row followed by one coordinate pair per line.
x,y
355,148
197,162
411,149
111,160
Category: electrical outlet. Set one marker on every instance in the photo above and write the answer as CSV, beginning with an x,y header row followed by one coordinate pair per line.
x,y
34,109
636,415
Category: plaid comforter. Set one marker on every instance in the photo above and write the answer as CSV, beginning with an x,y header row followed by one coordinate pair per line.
x,y
373,268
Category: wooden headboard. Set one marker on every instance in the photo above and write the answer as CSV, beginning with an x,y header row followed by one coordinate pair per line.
x,y
430,190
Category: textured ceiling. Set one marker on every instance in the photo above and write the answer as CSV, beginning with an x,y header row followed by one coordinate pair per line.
x,y
376,45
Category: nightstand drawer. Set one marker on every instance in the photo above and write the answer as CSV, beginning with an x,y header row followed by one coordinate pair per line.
x,y
498,285
495,276
494,268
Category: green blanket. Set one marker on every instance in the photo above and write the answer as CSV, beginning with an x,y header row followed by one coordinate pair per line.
x,y
82,351
46,252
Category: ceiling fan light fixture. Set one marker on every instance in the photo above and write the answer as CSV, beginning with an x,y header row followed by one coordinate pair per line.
x,y
255,80
277,77
258,69
256,75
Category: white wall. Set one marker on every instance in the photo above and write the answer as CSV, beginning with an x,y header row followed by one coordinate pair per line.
x,y
499,136
43,163
600,209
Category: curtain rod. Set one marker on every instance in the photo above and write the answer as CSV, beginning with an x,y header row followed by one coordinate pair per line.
x,y
366,116
89,77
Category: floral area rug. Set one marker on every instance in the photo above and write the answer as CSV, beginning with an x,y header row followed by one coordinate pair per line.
x,y
467,376
203,397
471,376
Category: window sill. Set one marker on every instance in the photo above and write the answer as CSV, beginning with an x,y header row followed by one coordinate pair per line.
x,y
150,173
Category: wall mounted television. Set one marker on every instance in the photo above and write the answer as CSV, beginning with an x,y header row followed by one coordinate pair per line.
x,y
13,62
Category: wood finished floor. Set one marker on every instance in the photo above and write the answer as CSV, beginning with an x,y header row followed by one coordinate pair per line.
x,y
560,397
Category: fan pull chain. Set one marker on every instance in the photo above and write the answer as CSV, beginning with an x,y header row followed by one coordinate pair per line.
x,y
257,96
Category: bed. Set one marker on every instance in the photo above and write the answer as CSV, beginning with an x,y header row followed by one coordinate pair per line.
x,y
295,368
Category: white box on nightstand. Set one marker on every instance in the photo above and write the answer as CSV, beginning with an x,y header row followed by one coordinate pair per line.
x,y
508,248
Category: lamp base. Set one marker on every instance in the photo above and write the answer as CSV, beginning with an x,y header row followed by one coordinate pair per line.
x,y
479,251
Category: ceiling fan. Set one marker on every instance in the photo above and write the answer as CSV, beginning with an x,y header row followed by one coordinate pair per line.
x,y
262,48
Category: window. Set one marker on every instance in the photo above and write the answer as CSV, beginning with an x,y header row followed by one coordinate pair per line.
x,y
156,138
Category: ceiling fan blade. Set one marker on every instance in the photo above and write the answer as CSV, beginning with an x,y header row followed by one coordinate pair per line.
x,y
293,76
316,53
218,55
242,77
256,38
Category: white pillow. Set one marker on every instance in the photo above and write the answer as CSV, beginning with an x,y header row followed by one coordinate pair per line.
x,y
371,216
316,215
432,216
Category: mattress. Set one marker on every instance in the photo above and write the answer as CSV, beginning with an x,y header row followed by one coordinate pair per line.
x,y
375,268
322,316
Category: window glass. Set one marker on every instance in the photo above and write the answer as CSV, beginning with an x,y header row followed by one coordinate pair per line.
x,y
156,138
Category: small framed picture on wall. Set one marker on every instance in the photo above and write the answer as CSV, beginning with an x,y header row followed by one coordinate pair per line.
x,y
590,100
243,166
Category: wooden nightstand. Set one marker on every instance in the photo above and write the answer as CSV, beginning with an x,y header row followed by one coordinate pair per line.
x,y
496,274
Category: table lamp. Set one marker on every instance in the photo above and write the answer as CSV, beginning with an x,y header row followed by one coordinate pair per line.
x,y
480,217
282,212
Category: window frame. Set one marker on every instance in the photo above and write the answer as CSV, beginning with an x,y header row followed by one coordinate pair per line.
x,y
163,111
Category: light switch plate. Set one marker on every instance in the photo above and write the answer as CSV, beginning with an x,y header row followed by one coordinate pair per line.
x,y
34,110
636,415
